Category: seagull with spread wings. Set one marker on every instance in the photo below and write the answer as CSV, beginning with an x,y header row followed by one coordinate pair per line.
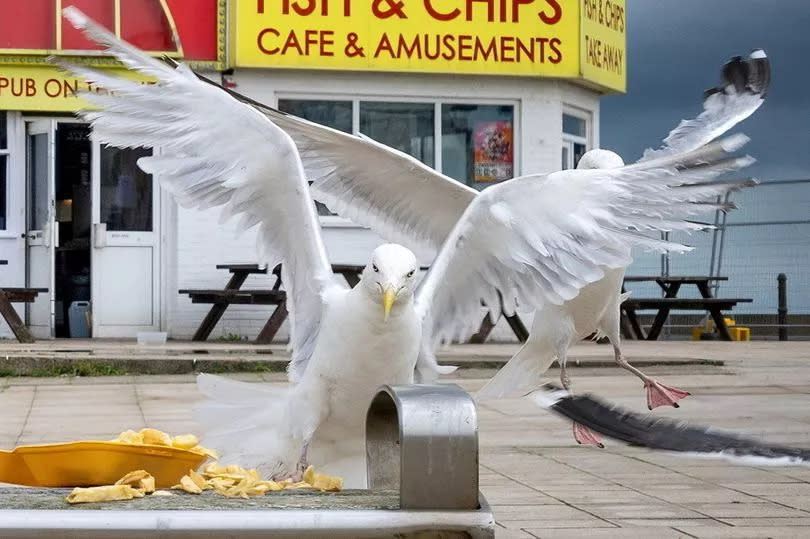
x,y
532,241
417,206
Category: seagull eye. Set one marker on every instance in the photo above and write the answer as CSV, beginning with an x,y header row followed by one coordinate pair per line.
x,y
375,268
410,273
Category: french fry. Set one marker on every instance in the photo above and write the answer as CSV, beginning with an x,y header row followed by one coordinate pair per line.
x,y
139,479
106,493
198,480
129,437
155,437
188,485
185,441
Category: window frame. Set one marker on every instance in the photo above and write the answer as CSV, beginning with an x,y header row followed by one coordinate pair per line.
x,y
568,140
437,102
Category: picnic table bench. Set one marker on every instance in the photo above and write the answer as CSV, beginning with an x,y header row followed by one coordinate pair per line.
x,y
671,285
9,295
233,294
422,462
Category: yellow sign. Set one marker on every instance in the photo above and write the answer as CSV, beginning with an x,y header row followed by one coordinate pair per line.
x,y
45,89
506,37
486,37
603,55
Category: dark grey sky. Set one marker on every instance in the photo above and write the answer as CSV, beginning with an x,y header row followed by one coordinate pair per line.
x,y
675,51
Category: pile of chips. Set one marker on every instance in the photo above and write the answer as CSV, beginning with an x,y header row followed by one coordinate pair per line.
x,y
151,436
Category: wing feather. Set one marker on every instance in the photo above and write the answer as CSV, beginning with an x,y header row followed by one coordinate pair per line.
x,y
742,90
539,239
217,152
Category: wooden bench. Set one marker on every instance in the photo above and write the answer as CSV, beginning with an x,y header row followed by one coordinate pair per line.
x,y
714,306
18,295
233,295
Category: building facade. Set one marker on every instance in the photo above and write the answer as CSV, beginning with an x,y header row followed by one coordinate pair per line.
x,y
480,90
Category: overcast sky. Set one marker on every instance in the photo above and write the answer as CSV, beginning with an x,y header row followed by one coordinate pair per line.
x,y
675,51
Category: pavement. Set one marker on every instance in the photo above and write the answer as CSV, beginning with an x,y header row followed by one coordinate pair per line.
x,y
539,482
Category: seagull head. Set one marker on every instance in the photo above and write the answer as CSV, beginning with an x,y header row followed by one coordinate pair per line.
x,y
390,276
599,158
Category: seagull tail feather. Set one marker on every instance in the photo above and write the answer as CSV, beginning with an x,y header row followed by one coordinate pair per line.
x,y
665,434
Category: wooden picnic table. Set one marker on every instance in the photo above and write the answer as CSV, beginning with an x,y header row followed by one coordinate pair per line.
x,y
233,294
671,285
9,295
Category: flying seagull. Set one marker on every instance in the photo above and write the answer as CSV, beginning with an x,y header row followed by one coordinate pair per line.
x,y
417,206
531,241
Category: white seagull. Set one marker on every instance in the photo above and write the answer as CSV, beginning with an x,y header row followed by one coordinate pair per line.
x,y
531,241
417,206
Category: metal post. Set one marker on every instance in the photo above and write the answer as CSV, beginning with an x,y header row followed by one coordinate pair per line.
x,y
423,441
782,309
722,244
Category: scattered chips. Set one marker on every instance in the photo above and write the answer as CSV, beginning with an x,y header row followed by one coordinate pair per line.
x,y
235,481
152,436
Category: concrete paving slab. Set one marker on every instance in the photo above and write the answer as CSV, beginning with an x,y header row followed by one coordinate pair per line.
x,y
598,533
751,532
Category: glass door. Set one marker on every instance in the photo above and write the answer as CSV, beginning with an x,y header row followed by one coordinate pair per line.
x,y
125,254
42,235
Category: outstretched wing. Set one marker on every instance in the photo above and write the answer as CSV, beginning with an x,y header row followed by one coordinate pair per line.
x,y
216,152
399,197
742,91
539,239
396,195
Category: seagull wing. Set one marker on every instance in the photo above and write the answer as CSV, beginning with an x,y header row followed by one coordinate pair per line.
x,y
217,152
743,89
399,197
539,239
406,201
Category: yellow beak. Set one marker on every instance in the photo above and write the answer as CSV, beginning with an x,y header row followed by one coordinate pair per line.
x,y
388,301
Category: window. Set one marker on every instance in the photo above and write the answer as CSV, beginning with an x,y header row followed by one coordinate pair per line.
x,y
473,143
575,139
126,190
477,143
3,170
408,127
334,114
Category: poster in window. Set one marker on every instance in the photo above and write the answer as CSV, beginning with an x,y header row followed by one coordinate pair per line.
x,y
492,151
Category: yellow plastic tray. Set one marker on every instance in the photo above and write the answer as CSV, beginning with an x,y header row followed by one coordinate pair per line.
x,y
91,463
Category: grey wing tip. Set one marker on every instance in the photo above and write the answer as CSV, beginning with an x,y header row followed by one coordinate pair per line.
x,y
668,435
750,75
